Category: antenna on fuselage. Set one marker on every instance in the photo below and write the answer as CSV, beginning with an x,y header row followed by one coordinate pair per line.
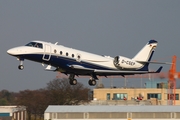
x,y
56,43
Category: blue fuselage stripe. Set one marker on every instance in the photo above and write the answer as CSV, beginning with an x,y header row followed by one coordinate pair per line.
x,y
62,62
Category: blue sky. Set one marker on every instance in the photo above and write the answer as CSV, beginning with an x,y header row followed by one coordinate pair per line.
x,y
116,27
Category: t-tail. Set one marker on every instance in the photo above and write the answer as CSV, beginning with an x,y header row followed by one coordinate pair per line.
x,y
145,54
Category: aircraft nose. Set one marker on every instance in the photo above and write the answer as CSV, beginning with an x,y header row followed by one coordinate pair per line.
x,y
12,51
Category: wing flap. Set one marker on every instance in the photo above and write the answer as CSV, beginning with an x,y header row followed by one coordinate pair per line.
x,y
79,67
120,72
127,72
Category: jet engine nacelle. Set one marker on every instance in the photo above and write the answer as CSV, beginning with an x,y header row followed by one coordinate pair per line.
x,y
121,62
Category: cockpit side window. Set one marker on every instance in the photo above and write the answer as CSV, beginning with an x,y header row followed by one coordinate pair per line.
x,y
35,44
31,44
38,45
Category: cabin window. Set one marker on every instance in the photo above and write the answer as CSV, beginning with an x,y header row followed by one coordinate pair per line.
x,y
72,55
61,52
78,57
66,54
55,51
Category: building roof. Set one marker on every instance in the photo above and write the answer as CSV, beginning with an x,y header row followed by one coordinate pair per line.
x,y
111,108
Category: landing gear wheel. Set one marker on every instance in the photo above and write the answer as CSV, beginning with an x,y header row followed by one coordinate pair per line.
x,y
21,67
92,82
73,82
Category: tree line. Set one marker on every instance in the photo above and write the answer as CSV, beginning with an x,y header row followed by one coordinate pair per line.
x,y
57,92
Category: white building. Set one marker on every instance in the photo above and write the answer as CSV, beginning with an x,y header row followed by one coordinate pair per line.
x,y
112,112
12,113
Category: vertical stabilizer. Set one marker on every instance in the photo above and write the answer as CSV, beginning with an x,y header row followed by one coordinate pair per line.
x,y
146,52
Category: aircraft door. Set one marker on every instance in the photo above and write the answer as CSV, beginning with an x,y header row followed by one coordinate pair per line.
x,y
47,52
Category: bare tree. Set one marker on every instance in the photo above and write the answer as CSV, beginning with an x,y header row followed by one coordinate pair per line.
x,y
57,92
35,102
62,93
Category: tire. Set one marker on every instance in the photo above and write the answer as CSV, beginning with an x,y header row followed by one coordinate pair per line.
x,y
20,67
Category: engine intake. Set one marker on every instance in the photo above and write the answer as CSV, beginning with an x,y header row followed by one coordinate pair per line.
x,y
116,62
121,62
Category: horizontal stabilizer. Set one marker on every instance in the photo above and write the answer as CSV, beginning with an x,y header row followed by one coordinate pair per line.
x,y
154,62
157,71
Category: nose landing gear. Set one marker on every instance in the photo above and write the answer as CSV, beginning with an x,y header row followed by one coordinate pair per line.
x,y
21,66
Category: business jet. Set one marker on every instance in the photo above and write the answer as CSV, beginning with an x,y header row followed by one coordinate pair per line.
x,y
73,62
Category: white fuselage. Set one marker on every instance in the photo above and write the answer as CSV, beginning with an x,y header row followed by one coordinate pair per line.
x,y
76,62
50,52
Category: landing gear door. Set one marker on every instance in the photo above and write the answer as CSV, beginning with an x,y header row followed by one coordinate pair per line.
x,y
47,52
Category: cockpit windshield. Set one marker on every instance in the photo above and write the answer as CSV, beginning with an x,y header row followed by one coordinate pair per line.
x,y
35,44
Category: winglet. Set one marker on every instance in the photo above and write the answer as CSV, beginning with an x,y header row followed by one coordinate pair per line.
x,y
159,70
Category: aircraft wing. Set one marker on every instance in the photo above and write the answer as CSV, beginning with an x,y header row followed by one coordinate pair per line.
x,y
112,72
119,71
123,72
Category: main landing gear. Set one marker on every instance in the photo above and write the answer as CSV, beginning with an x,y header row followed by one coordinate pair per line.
x,y
92,82
73,81
21,66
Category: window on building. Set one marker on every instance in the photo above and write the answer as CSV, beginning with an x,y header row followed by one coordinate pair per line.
x,y
177,97
159,85
154,95
171,97
54,115
108,97
120,96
